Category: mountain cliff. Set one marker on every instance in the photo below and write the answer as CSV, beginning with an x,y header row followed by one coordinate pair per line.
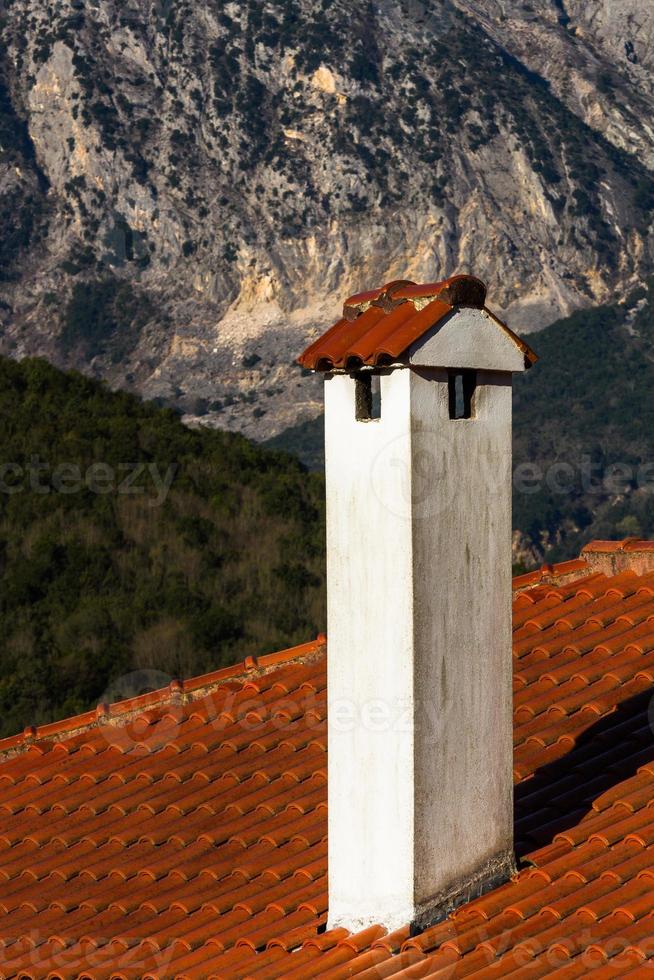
x,y
189,188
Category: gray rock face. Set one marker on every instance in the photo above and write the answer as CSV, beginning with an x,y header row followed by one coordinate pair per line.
x,y
597,57
190,188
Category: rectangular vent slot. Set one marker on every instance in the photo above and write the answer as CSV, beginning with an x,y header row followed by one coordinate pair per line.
x,y
367,397
461,390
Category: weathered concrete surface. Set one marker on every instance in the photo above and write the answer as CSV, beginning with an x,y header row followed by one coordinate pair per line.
x,y
370,656
462,637
468,338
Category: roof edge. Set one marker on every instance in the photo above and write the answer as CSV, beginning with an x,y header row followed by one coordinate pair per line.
x,y
458,290
558,574
177,692
604,557
530,355
612,557
597,557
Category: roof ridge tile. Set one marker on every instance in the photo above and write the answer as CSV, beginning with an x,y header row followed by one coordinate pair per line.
x,y
79,724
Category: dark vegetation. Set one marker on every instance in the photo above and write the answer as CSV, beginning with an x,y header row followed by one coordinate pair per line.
x,y
98,578
589,404
102,572
105,316
306,441
584,417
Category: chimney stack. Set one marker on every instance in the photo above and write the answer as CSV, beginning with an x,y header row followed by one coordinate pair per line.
x,y
418,472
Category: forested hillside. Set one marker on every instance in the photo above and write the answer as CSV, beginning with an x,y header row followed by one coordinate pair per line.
x,y
583,425
130,542
585,417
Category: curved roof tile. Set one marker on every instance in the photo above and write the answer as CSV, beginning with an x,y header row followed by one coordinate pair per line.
x,y
379,326
182,834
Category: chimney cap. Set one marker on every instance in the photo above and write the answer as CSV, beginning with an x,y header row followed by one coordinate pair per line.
x,y
379,326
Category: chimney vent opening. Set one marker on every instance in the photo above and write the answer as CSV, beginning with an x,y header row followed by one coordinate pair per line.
x,y
461,390
367,397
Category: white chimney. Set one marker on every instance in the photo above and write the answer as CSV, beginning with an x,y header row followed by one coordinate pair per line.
x,y
419,601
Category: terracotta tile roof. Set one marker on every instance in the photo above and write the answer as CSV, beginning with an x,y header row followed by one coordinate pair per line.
x,y
380,325
182,834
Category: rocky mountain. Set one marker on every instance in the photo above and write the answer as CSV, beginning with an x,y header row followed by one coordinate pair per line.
x,y
189,188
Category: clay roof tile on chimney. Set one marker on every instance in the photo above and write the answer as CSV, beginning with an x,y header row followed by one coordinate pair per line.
x,y
380,325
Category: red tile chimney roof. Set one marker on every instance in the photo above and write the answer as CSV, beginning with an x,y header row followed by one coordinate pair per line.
x,y
380,325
